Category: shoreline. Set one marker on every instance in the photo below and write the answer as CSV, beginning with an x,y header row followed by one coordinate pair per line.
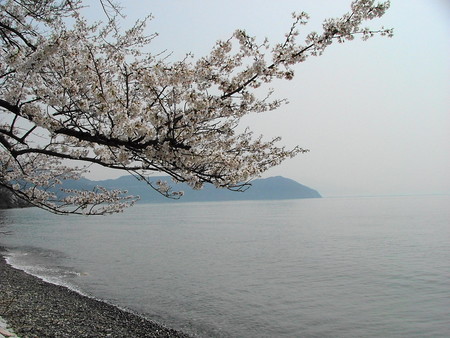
x,y
35,308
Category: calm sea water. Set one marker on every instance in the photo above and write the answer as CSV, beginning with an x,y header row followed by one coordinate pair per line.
x,y
347,267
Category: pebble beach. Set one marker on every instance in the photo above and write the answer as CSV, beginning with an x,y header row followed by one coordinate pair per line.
x,y
31,307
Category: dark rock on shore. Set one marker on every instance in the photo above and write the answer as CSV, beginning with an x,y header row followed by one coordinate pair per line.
x,y
35,308
9,200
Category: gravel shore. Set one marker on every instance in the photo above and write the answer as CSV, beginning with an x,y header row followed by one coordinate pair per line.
x,y
34,308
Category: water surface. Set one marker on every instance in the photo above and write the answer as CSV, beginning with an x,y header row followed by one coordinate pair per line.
x,y
349,267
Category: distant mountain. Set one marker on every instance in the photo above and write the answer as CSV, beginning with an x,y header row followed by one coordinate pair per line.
x,y
272,188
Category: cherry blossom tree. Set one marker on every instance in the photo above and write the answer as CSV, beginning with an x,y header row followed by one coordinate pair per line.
x,y
71,91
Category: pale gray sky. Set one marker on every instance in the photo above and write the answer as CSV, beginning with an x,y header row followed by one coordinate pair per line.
x,y
375,114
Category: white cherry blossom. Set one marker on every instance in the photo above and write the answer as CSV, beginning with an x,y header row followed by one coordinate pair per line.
x,y
70,90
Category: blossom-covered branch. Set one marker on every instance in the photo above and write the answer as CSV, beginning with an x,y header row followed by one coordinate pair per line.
x,y
91,93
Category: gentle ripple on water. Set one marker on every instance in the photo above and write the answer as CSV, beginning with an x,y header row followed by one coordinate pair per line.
x,y
353,267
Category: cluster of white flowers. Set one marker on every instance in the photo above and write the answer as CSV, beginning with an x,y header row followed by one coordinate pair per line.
x,y
38,181
96,201
88,92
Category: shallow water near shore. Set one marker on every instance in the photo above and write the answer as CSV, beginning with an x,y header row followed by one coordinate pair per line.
x,y
343,267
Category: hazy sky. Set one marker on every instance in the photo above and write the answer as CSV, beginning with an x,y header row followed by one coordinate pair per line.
x,y
375,114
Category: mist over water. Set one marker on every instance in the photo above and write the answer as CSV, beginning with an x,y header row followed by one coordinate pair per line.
x,y
350,267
